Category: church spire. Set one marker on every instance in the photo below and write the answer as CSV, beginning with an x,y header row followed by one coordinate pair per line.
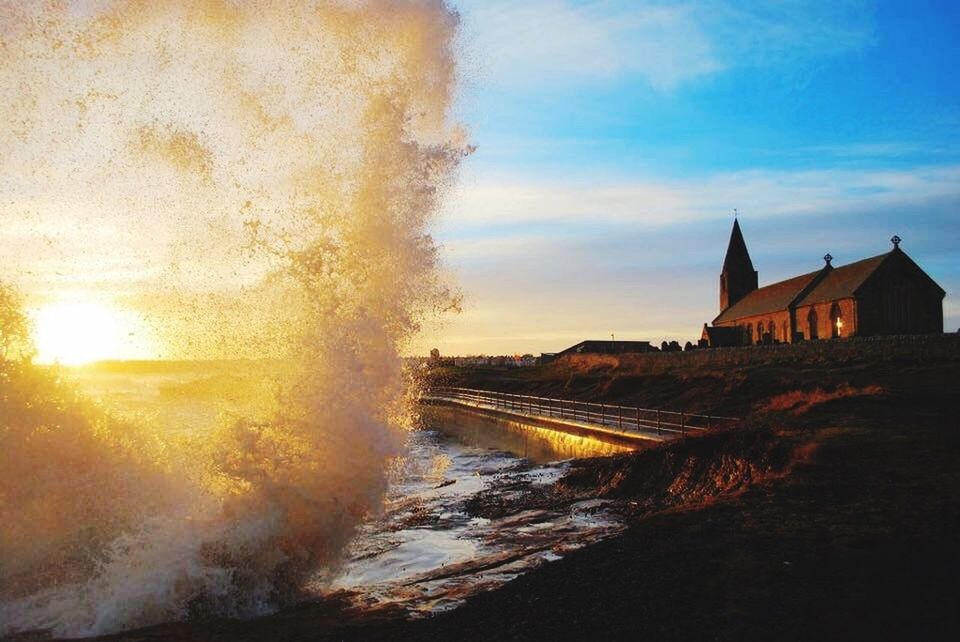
x,y
738,277
737,255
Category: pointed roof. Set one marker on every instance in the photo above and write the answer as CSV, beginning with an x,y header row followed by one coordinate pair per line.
x,y
771,298
737,257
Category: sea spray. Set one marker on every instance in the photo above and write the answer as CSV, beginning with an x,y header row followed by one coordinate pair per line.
x,y
266,173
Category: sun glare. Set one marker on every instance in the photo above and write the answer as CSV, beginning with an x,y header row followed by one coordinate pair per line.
x,y
79,333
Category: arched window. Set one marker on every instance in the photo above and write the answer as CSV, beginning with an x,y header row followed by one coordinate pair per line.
x,y
814,332
836,321
771,330
749,333
785,329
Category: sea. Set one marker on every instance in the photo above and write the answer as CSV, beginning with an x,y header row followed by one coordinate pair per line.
x,y
467,505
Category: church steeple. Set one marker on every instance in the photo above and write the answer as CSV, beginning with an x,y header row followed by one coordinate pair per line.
x,y
738,277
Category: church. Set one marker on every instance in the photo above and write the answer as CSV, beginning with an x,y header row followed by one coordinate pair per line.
x,y
882,295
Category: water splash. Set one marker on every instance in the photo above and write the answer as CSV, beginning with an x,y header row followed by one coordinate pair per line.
x,y
265,176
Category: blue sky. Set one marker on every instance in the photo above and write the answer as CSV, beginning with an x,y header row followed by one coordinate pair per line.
x,y
615,138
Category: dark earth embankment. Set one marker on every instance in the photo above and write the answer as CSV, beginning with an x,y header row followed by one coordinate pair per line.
x,y
856,540
833,513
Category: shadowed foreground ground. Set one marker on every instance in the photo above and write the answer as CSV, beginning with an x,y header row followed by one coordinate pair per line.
x,y
833,515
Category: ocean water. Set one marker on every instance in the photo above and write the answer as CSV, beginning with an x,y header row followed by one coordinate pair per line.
x,y
426,551
422,549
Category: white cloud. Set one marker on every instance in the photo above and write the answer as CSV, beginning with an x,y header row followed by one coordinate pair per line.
x,y
648,202
545,40
549,42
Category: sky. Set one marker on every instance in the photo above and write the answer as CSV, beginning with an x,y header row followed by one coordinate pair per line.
x,y
612,142
615,139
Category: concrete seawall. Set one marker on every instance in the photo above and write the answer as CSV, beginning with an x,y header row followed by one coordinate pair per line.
x,y
571,438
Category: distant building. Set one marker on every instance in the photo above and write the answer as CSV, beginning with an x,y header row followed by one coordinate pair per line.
x,y
882,295
607,347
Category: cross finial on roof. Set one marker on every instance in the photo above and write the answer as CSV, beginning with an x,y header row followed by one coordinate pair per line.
x,y
735,212
896,241
827,258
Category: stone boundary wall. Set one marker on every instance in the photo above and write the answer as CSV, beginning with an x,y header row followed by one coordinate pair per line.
x,y
929,348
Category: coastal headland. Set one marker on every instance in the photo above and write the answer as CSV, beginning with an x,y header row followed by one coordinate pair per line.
x,y
831,512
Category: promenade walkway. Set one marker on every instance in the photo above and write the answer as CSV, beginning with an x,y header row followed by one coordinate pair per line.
x,y
611,419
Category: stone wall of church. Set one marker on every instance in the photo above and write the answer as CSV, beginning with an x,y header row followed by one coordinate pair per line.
x,y
819,321
763,329
896,304
899,298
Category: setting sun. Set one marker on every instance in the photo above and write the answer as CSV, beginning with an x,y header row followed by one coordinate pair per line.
x,y
77,333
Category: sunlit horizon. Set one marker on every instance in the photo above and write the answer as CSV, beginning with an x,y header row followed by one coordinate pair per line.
x,y
75,333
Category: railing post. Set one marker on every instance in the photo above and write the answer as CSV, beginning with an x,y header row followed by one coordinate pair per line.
x,y
658,422
708,422
619,416
602,413
682,426
638,417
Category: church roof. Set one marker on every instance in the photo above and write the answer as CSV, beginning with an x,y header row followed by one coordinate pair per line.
x,y
770,298
737,257
834,283
843,282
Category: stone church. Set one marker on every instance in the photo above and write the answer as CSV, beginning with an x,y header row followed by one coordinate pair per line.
x,y
885,294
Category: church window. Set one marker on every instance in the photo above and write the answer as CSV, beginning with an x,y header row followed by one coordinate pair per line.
x,y
836,321
814,332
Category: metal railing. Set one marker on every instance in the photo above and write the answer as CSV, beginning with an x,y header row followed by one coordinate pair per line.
x,y
604,414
